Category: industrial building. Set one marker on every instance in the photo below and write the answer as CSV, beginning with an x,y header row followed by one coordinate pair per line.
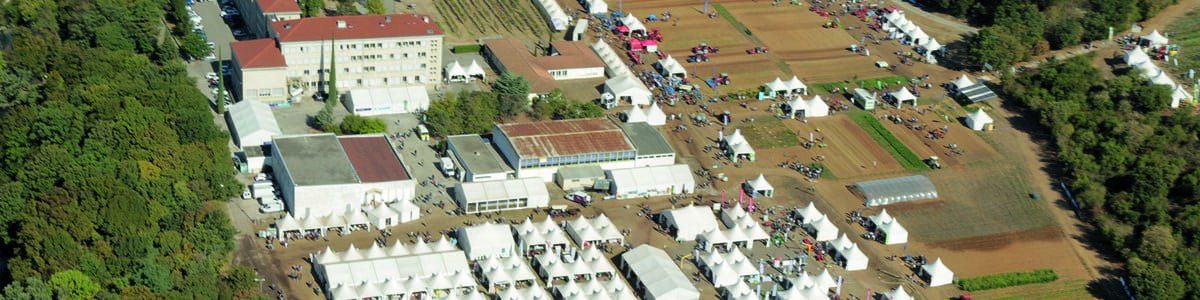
x,y
477,160
578,178
539,149
565,61
372,51
501,195
323,174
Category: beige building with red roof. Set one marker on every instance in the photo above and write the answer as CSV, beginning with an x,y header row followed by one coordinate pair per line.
x,y
372,51
259,14
567,61
324,174
259,71
538,149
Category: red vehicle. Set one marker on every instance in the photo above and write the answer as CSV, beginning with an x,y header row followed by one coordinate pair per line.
x,y
757,50
723,79
661,55
697,58
637,58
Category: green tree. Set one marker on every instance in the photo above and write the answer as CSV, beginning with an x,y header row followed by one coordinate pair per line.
x,y
325,118
512,93
219,100
354,124
546,107
1022,19
991,46
29,289
375,7
74,284
1152,282
194,46
1157,244
347,8
312,8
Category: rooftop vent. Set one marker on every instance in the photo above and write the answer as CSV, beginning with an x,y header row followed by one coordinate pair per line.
x,y
426,19
287,25
387,19
341,23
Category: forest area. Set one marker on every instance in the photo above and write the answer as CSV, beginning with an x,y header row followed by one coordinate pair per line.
x,y
1014,31
476,112
1133,166
111,168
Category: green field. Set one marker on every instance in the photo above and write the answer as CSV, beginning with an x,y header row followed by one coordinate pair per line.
x,y
1186,34
869,84
889,142
1069,289
1003,280
769,134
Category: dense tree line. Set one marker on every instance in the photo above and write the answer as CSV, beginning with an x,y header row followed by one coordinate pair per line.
x,y
1134,169
476,112
109,158
1015,30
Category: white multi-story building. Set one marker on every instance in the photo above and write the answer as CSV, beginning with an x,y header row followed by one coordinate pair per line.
x,y
259,14
371,51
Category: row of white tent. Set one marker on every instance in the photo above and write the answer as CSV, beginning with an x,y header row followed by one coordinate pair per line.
x,y
379,216
456,72
622,84
652,115
894,233
816,223
727,269
698,223
736,145
505,271
1141,62
792,86
554,14
898,24
807,108
545,234
587,232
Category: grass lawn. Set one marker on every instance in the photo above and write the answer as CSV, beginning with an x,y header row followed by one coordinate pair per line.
x,y
905,156
769,134
869,84
1186,34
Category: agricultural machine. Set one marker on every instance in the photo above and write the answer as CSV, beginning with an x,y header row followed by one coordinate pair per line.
x,y
636,57
697,58
722,80
757,50
933,163
703,48
831,25
654,35
661,55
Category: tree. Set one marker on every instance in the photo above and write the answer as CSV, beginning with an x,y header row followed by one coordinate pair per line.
x,y
375,7
354,124
313,8
347,8
1157,244
512,92
325,118
992,46
1149,281
547,106
74,284
1022,19
194,46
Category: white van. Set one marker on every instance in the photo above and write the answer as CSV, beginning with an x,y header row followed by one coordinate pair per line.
x,y
273,207
447,166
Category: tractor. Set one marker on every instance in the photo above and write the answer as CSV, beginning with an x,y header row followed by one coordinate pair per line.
x,y
698,58
933,163
757,50
723,79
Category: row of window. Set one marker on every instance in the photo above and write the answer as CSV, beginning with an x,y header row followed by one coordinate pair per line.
x,y
365,69
578,159
303,49
495,205
265,92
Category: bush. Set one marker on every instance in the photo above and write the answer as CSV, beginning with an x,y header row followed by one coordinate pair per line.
x,y
467,48
1001,280
354,124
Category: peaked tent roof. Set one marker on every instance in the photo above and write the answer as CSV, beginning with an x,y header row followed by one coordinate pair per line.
x,y
455,69
1155,38
809,213
904,95
825,229
1163,79
795,83
939,274
760,183
777,85
962,82
980,117
672,66
474,68
898,294
931,44
635,114
1136,56
735,137
633,23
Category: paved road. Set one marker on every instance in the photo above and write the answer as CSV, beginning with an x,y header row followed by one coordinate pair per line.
x,y
219,33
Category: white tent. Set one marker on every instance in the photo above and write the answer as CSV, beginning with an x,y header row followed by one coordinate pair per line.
x,y
777,86
735,137
822,228
1179,95
1148,69
587,232
1136,56
613,65
545,235
253,123
898,294
979,120
633,23
651,181
474,71
671,67
628,88
689,222
498,195
383,216
760,186
904,95
655,115
895,16
1163,79
815,107
937,273
554,14
505,271
907,27
739,291
596,7
388,100
892,230
1155,39
962,82
795,86
918,36
486,240
737,146
658,274
530,293
727,269
853,258
635,114
808,213
454,72
931,44
824,281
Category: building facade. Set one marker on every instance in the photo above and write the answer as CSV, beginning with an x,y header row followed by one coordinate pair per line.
x,y
323,174
259,14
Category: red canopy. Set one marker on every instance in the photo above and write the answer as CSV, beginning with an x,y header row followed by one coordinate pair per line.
x,y
649,43
622,29
635,44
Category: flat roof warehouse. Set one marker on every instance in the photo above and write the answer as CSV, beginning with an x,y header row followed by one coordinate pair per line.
x,y
326,159
565,137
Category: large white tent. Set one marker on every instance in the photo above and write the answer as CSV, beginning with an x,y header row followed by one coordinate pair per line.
x,y
961,82
893,232
689,222
1155,39
808,213
655,115
904,95
588,232
387,215
727,269
544,235
380,271
628,88
454,72
595,289
760,186
596,6
1136,56
815,107
895,190
777,86
1148,69
253,123
739,291
979,120
486,240
633,23
898,294
506,271
821,228
937,273
743,231
474,71
657,273
931,44
852,258
651,181
1163,79
635,114
569,266
795,86
614,66
388,100
671,67
1180,95
736,146
554,14
498,195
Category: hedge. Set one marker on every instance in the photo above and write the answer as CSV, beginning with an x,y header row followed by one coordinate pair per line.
x,y
467,48
1001,280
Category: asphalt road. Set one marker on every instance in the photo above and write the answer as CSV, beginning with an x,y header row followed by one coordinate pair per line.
x,y
219,33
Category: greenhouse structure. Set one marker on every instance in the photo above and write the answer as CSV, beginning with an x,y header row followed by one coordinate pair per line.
x,y
895,190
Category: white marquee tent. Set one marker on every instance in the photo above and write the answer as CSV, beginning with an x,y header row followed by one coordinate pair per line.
x,y
904,95
596,7
554,14
613,65
896,190
931,44
689,222
815,107
894,232
739,291
962,82
777,86
1180,95
1155,39
633,23
651,181
795,86
388,100
253,123
822,228
380,271
658,274
760,186
808,213
486,240
727,269
383,216
671,67
743,231
1136,56
655,115
505,271
1148,69
853,258
545,235
978,120
737,146
898,294
587,232
628,88
1163,79
595,289
474,71
454,72
937,273
529,293
635,114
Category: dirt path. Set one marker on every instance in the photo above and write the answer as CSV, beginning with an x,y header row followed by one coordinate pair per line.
x,y
944,27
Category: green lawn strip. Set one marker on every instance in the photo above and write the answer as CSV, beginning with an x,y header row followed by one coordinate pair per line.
x,y
869,84
732,20
889,142
770,134
1003,280
1071,289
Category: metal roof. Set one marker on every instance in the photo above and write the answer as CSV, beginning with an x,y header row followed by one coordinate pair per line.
x,y
315,159
253,123
646,139
565,137
475,155
583,171
373,158
895,190
978,92
659,275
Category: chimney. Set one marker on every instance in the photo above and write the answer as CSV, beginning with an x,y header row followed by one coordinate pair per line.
x,y
341,23
387,19
287,26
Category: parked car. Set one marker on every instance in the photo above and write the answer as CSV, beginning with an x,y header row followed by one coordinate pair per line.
x,y
273,207
239,32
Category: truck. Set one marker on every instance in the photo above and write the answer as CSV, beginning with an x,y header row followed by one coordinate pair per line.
x,y
447,165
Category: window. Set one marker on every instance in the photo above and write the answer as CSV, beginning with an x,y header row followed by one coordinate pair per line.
x,y
264,92
306,72
359,81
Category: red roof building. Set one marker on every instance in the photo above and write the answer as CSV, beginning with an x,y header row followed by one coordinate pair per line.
x,y
355,27
373,158
572,60
260,53
565,138
278,6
